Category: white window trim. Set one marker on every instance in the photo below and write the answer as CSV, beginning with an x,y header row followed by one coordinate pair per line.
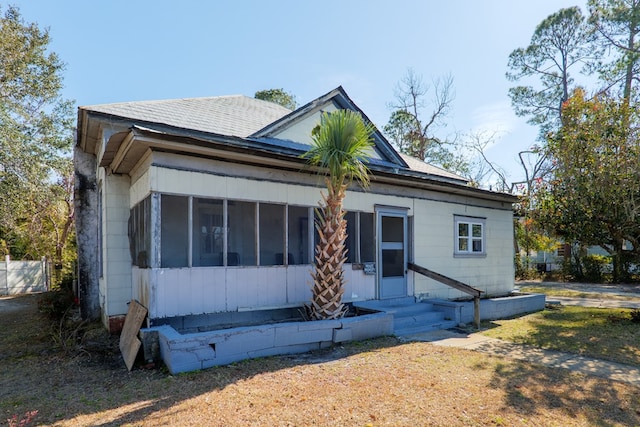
x,y
471,221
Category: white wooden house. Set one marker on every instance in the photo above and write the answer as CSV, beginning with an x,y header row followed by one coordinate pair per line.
x,y
204,205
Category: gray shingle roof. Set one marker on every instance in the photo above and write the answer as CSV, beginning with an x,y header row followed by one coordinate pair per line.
x,y
234,115
420,166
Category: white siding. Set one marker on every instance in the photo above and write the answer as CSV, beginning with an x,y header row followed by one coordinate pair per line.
x,y
185,291
116,283
434,249
207,185
359,286
139,189
299,132
174,292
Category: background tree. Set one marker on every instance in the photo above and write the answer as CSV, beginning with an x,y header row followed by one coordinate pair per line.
x,y
594,195
561,47
278,96
572,195
340,146
617,27
35,140
416,121
560,44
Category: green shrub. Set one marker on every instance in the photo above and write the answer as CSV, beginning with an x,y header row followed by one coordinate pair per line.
x,y
586,268
55,304
594,267
525,268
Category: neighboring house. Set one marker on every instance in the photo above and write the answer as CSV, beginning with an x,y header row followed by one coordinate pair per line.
x,y
549,261
204,205
553,261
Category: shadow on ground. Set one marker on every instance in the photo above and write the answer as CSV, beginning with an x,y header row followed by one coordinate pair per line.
x,y
533,390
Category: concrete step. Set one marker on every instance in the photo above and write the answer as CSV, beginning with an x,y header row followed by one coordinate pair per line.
x,y
410,317
385,305
404,320
409,309
444,324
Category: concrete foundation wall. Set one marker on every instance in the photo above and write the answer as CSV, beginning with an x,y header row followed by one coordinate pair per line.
x,y
190,352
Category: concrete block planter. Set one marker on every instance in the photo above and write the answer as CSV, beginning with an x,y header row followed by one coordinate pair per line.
x,y
491,308
190,351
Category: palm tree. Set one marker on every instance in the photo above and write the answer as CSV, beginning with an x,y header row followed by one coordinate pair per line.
x,y
341,145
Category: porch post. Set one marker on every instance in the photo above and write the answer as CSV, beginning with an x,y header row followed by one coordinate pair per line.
x,y
476,312
85,199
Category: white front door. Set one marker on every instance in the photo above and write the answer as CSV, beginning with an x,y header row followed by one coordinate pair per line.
x,y
392,253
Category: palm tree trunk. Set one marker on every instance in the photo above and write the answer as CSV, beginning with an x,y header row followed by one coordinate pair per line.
x,y
330,255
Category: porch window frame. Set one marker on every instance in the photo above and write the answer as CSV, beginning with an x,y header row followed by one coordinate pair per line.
x,y
356,235
470,222
156,239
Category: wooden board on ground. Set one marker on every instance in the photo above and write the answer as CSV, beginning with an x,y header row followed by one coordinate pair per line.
x,y
129,341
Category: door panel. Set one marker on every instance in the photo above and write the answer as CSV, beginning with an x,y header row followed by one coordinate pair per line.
x,y
392,263
392,258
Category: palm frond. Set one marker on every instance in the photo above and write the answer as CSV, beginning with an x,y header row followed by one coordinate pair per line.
x,y
342,144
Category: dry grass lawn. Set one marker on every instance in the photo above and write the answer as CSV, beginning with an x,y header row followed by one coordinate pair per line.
x,y
561,291
380,382
603,333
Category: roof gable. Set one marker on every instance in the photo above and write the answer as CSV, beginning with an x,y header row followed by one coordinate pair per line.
x,y
298,125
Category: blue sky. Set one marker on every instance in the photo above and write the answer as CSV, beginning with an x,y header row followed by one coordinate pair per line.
x,y
119,51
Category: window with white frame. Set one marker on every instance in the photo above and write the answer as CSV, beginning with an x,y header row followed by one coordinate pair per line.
x,y
469,236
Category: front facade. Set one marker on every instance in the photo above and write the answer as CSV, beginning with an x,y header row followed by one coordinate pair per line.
x,y
205,206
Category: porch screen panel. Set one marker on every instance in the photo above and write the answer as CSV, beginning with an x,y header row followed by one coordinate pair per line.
x,y
241,239
272,234
298,235
144,236
352,237
208,232
316,235
174,229
367,240
140,233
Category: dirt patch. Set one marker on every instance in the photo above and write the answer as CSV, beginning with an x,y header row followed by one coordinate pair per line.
x,y
15,302
378,382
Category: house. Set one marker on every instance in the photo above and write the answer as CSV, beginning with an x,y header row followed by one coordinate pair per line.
x,y
196,206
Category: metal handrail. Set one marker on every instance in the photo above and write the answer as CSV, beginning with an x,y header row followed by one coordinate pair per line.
x,y
456,284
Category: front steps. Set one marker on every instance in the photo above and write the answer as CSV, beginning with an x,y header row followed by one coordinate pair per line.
x,y
410,317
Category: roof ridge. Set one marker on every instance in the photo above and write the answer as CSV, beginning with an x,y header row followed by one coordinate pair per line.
x,y
166,100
